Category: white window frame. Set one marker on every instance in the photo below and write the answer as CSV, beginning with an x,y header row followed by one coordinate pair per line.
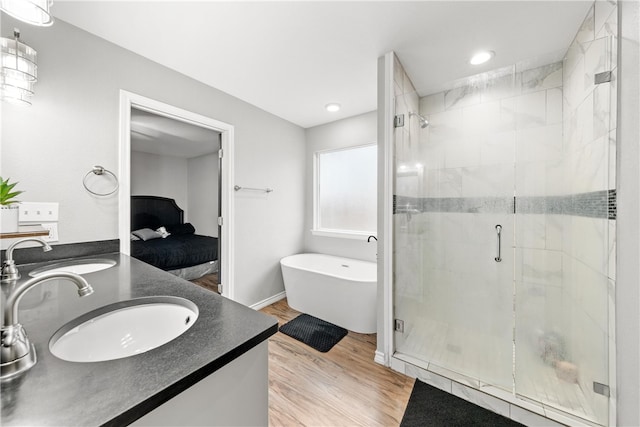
x,y
328,232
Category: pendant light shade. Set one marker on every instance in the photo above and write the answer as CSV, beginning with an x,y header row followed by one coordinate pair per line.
x,y
19,70
35,12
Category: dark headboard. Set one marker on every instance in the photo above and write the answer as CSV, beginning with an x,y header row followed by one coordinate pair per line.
x,y
153,212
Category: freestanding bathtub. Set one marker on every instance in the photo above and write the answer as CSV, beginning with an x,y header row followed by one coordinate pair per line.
x,y
337,290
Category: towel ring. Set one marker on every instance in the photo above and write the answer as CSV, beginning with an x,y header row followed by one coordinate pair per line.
x,y
99,170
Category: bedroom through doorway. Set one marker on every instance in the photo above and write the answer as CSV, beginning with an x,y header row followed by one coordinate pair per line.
x,y
172,213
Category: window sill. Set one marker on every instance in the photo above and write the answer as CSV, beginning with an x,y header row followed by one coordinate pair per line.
x,y
340,234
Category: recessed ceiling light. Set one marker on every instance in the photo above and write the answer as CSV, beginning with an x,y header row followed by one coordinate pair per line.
x,y
333,107
481,57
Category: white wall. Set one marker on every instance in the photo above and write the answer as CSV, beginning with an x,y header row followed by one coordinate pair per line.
x,y
203,194
192,183
627,292
73,125
163,176
353,131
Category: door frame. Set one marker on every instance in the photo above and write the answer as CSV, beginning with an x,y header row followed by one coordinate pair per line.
x,y
130,100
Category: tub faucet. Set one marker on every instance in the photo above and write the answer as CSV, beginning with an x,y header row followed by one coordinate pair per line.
x,y
370,237
10,272
17,354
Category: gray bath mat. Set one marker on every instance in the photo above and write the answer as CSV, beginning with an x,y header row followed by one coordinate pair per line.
x,y
431,407
314,332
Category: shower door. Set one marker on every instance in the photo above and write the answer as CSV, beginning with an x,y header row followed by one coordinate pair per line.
x,y
504,220
453,235
565,234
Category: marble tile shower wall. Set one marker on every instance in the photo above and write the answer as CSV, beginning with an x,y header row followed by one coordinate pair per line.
x,y
407,137
461,164
479,130
588,244
408,253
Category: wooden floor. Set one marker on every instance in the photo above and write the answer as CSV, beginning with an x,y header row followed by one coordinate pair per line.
x,y
210,282
343,387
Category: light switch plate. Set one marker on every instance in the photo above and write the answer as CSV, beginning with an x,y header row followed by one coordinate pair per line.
x,y
53,231
37,212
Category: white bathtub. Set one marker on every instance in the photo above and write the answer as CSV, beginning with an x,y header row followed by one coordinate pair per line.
x,y
338,290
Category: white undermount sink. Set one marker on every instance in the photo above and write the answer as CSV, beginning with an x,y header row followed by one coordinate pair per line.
x,y
78,266
123,329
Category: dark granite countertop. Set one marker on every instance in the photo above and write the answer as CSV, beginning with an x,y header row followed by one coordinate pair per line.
x,y
117,392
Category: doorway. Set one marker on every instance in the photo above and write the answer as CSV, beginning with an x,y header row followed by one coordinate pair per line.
x,y
154,133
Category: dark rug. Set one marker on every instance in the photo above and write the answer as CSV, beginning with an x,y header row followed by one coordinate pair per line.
x,y
430,406
314,332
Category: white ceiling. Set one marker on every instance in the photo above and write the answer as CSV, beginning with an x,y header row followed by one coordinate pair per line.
x,y
164,136
291,58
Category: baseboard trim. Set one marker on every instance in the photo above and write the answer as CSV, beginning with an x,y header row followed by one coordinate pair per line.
x,y
265,302
379,358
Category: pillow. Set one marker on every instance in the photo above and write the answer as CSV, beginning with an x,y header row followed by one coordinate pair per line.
x,y
146,234
163,232
134,237
185,228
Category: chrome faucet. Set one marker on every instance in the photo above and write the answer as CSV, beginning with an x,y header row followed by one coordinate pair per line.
x,y
17,354
369,238
10,272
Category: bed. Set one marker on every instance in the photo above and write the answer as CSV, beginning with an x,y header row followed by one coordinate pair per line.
x,y
160,237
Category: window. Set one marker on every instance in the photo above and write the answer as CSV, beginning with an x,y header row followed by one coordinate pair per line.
x,y
345,192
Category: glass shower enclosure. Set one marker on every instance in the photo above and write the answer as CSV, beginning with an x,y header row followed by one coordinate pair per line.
x,y
504,228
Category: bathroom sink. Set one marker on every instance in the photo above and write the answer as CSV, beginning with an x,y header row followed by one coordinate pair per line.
x,y
123,329
78,266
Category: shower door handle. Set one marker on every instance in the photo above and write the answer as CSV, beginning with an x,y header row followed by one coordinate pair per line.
x,y
499,233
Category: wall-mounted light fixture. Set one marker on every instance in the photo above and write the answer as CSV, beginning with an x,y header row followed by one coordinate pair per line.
x,y
19,70
35,12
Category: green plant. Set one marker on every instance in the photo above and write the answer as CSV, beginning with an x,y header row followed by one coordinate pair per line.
x,y
7,197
